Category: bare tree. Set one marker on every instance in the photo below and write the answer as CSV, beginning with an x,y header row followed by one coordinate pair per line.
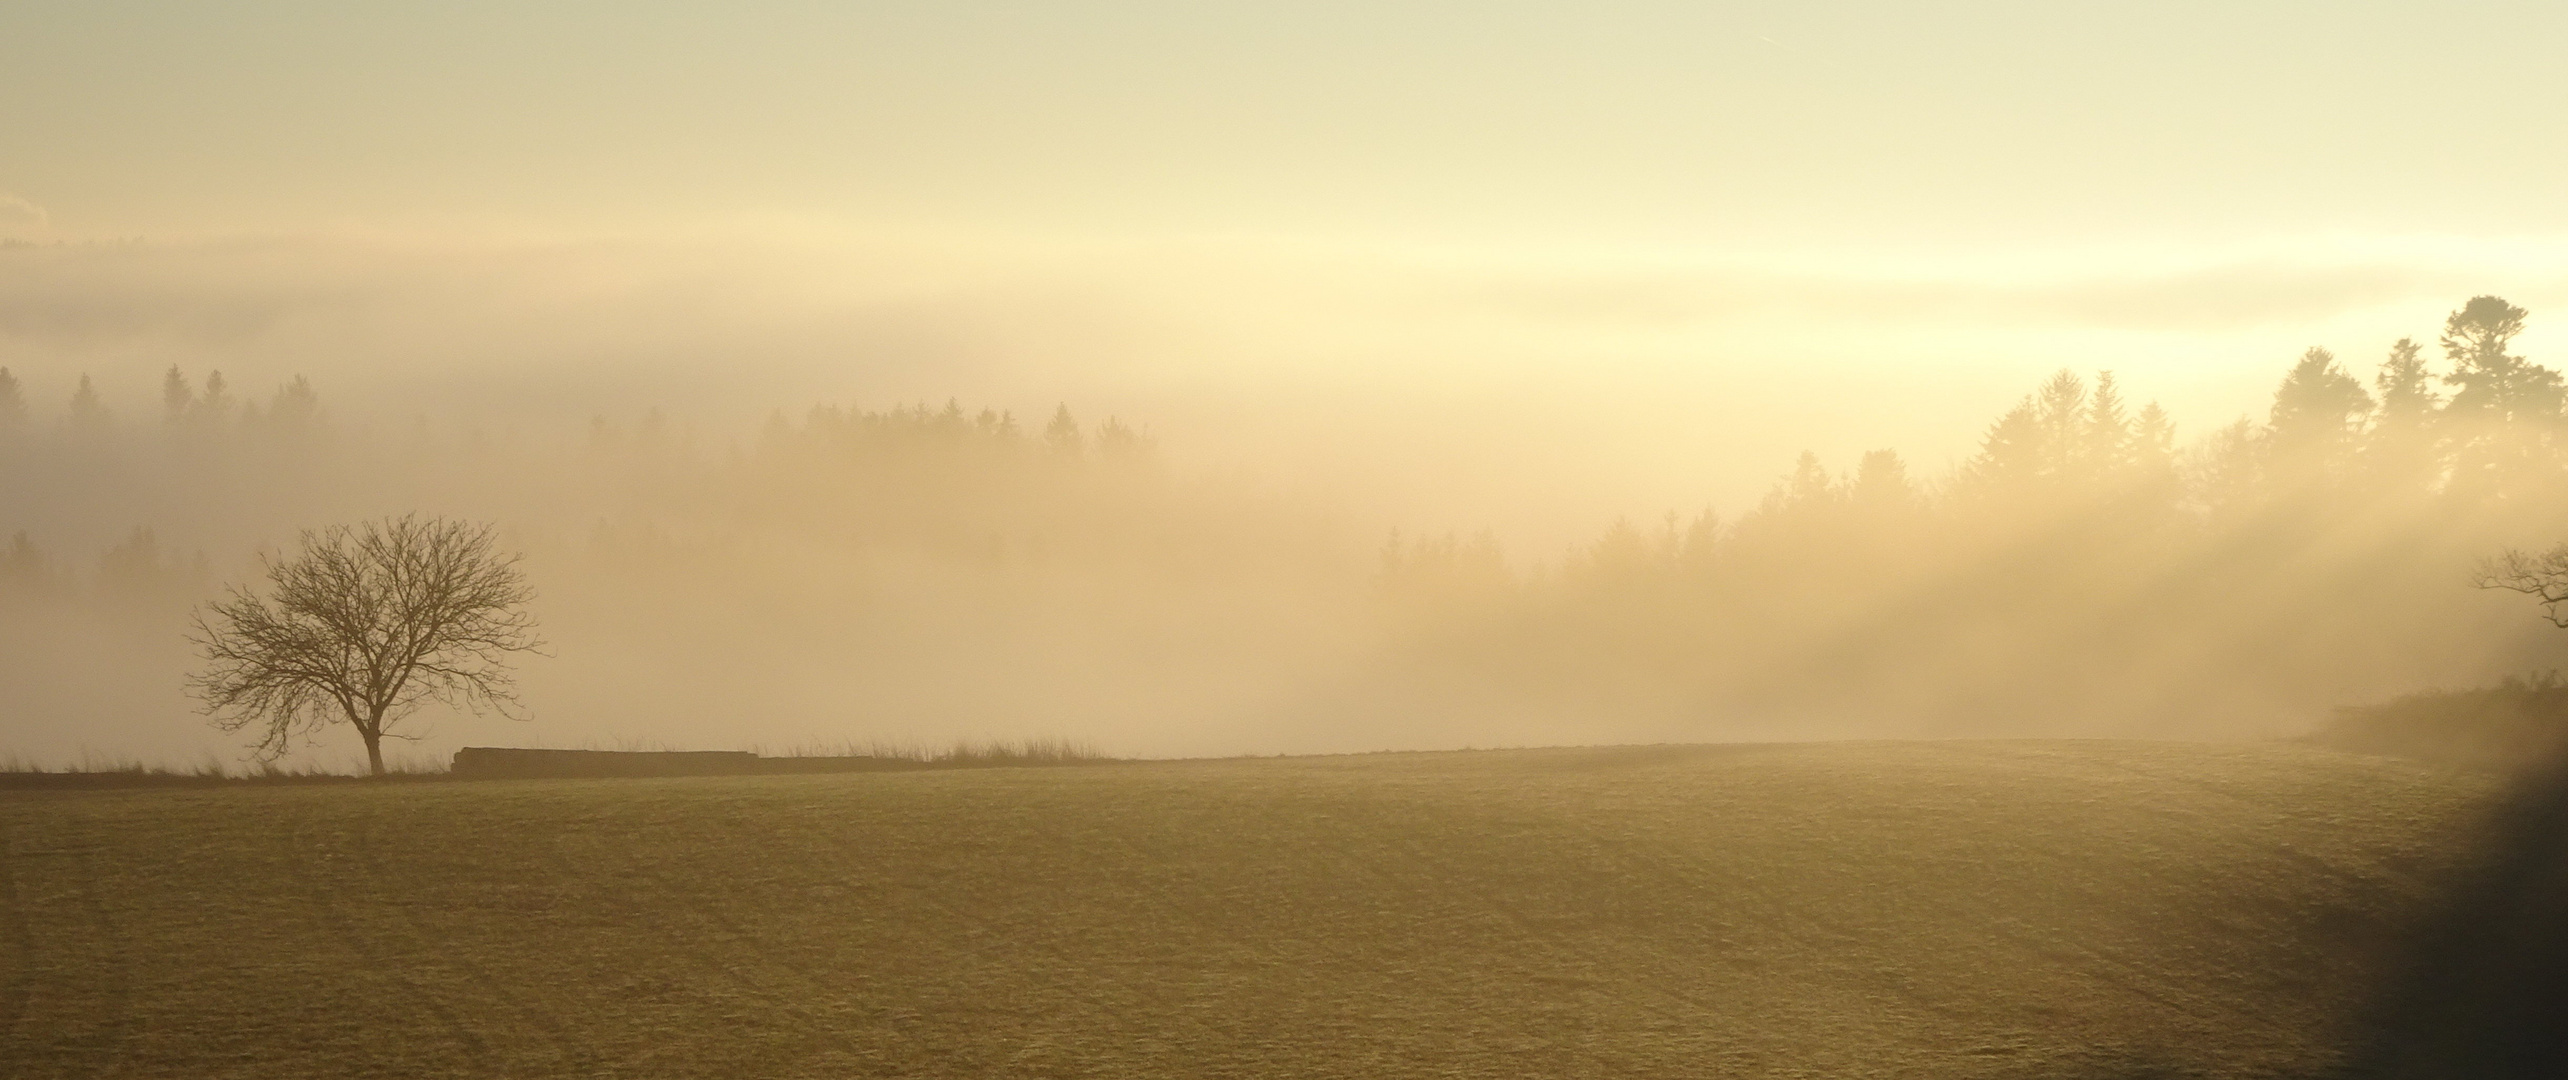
x,y
2543,577
367,623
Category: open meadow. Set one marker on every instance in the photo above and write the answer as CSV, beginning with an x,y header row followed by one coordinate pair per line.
x,y
1966,909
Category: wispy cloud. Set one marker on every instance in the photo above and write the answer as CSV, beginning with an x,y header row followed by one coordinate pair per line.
x,y
2210,299
18,211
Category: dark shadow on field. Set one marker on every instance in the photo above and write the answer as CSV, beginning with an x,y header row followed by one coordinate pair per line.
x,y
2481,988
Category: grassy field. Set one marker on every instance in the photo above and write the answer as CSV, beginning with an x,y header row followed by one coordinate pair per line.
x,y
1998,909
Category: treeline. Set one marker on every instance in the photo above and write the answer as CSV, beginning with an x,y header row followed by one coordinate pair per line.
x,y
135,569
2082,566
216,472
93,466
919,571
927,571
211,411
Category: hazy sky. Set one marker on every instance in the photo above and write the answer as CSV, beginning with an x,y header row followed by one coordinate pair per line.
x,y
1435,265
1683,234
1913,126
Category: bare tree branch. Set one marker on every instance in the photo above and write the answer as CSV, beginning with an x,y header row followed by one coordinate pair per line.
x,y
2543,577
365,625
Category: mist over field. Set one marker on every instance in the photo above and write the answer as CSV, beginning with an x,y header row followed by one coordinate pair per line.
x,y
1989,539
1220,501
1557,298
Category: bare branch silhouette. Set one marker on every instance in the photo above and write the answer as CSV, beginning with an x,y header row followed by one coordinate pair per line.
x,y
365,625
2543,577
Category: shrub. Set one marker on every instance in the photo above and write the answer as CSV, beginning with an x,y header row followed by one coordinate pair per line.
x,y
2517,722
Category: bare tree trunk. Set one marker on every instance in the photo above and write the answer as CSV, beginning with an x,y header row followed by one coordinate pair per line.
x,y
374,751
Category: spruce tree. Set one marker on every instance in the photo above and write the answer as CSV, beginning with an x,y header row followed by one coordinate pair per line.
x,y
2318,404
2105,436
1062,434
178,399
89,416
2401,446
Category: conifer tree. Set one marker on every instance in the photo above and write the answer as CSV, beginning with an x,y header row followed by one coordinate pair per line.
x,y
2504,409
178,399
89,416
296,408
1062,434
1118,439
2402,441
1699,547
2495,384
133,569
1808,488
214,409
1881,482
2105,436
2012,455
2406,385
2153,459
2318,406
1620,557
2228,473
2060,405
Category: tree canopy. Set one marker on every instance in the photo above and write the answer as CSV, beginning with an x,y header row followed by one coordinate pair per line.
x,y
366,624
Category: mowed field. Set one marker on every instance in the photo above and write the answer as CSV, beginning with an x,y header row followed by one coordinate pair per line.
x,y
1964,909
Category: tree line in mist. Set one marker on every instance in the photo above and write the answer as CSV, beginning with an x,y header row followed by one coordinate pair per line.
x,y
2083,564
935,572
915,572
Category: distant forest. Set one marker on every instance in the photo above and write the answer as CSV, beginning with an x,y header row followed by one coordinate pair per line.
x,y
2089,570
2079,565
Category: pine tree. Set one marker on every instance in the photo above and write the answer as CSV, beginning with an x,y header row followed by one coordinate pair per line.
x,y
214,408
133,568
1118,439
2105,437
89,416
2318,405
1620,557
1881,482
2060,405
178,399
2402,442
2228,468
1062,434
2406,385
296,408
2013,453
2494,384
1808,487
1699,547
2153,441
2318,411
2504,409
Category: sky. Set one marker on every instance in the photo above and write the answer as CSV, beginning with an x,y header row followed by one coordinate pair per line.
x,y
1635,255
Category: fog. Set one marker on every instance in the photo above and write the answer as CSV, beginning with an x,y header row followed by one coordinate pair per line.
x,y
1227,496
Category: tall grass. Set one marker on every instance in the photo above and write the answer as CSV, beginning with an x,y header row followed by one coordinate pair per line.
x,y
92,769
2516,723
963,753
96,770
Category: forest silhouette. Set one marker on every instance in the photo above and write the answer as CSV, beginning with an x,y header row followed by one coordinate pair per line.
x,y
849,573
